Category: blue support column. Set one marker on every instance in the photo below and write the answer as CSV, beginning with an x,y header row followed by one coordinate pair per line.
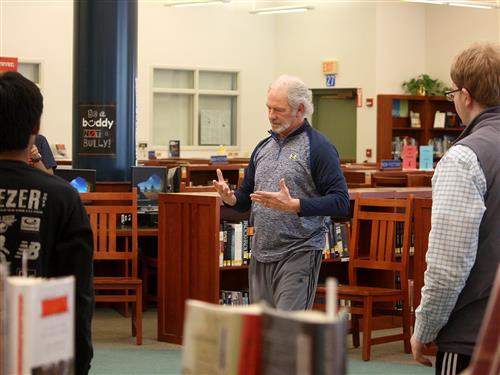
x,y
104,87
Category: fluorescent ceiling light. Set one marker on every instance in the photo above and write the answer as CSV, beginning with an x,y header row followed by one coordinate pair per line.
x,y
193,3
275,10
426,2
471,5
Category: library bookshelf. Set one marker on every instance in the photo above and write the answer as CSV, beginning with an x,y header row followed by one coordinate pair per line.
x,y
390,126
188,257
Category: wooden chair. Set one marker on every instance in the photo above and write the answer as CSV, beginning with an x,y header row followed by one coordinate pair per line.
x,y
381,179
414,179
105,211
380,254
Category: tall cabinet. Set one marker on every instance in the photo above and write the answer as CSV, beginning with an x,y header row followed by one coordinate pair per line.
x,y
188,257
391,124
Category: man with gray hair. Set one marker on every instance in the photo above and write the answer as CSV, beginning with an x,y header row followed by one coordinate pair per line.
x,y
293,185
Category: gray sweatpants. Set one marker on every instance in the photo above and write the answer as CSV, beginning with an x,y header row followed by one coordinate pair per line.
x,y
288,284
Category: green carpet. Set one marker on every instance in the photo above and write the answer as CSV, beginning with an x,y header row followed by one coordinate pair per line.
x,y
160,361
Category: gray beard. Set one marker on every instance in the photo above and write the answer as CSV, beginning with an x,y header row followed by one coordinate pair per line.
x,y
282,128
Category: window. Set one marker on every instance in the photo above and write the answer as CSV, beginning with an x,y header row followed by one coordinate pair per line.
x,y
197,107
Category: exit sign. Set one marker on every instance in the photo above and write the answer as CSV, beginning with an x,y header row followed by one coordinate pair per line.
x,y
329,67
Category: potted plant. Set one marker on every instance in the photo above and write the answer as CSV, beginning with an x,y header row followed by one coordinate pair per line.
x,y
424,85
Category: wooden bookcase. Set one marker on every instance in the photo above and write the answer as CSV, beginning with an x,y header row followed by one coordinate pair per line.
x,y
188,257
389,126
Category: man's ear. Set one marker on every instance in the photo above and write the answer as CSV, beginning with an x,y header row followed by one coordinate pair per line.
x,y
300,110
468,97
36,128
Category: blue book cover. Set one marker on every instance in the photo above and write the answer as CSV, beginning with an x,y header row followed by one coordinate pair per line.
x,y
395,108
426,158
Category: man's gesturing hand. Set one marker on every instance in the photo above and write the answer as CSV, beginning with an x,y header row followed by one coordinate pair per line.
x,y
280,200
223,189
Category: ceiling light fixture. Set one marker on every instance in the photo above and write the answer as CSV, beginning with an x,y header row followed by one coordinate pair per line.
x,y
426,2
277,10
471,5
193,3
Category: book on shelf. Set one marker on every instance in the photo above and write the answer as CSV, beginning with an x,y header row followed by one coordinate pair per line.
x,y
409,157
452,120
441,144
40,329
400,108
439,119
415,120
174,148
256,339
426,159
235,243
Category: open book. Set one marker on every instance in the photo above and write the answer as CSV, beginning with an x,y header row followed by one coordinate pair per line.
x,y
40,325
256,339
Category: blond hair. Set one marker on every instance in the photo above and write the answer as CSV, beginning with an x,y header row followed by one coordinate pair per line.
x,y
477,68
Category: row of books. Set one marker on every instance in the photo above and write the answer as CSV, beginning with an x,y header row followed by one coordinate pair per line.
x,y
234,297
36,325
235,240
441,144
337,241
446,120
256,339
400,108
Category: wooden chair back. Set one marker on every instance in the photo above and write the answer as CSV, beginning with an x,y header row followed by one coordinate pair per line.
x,y
381,179
386,218
105,210
414,179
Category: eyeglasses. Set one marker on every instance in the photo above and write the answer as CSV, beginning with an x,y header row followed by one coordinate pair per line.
x,y
451,94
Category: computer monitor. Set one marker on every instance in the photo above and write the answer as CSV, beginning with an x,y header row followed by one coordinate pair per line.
x,y
174,179
149,181
83,180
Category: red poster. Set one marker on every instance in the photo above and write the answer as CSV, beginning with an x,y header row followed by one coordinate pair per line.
x,y
409,157
8,64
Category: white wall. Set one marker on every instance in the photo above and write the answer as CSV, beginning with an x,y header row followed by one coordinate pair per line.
x,y
378,45
42,31
449,29
210,37
344,32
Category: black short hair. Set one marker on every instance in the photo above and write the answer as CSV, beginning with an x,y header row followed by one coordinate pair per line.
x,y
21,106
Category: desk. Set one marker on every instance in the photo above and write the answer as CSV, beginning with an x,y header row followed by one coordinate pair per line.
x,y
392,192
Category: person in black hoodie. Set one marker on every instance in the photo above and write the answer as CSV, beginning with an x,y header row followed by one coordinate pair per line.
x,y
41,214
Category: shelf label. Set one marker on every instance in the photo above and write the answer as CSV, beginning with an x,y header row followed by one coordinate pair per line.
x,y
390,164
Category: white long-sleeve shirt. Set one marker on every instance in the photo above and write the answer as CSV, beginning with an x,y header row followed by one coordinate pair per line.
x,y
458,190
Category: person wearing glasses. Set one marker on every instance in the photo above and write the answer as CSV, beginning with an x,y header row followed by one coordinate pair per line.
x,y
464,242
